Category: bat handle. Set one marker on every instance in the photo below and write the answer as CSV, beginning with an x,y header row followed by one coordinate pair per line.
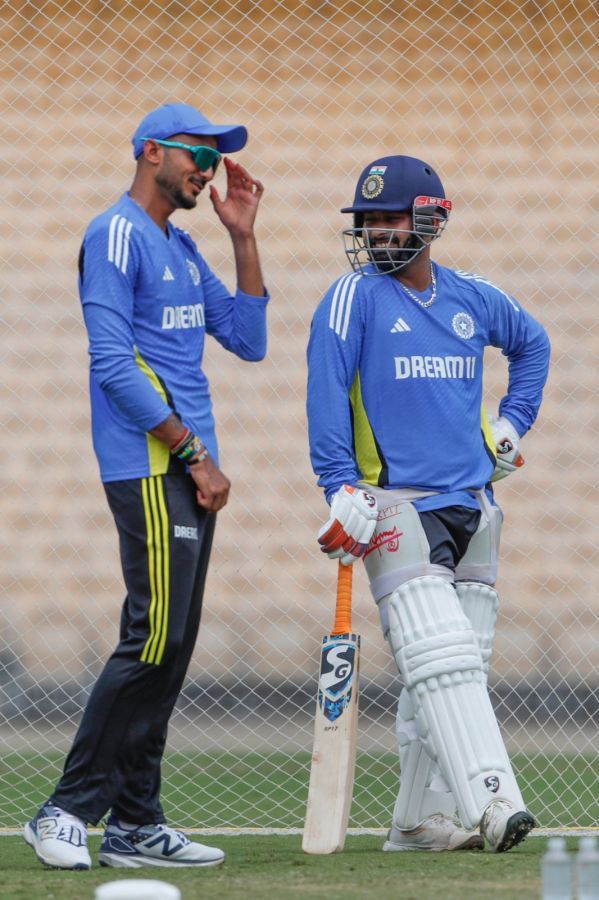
x,y
343,624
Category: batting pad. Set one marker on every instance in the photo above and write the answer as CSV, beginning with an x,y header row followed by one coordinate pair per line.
x,y
416,800
480,603
438,655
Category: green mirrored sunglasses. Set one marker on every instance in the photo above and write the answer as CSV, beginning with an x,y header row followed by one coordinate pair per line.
x,y
204,157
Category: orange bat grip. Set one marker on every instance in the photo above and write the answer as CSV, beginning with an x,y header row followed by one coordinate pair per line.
x,y
343,605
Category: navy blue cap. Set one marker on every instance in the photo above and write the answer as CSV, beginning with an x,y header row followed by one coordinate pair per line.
x,y
181,118
392,183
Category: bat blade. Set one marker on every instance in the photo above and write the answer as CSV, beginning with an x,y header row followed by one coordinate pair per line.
x,y
335,732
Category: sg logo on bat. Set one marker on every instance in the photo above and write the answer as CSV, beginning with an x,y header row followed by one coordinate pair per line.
x,y
337,672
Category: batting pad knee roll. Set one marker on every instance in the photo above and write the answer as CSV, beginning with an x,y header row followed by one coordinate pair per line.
x,y
432,636
438,655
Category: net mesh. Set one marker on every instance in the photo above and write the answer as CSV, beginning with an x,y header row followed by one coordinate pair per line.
x,y
501,98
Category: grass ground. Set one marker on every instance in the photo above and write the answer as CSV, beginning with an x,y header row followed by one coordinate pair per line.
x,y
269,791
274,866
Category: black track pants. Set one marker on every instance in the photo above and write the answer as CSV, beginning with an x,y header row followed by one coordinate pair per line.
x,y
165,541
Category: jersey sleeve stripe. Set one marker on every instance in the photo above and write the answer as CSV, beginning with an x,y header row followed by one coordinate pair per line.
x,y
468,276
335,300
118,256
342,303
126,247
111,231
348,307
118,242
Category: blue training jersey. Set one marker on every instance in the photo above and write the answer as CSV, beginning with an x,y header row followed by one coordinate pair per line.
x,y
395,389
149,299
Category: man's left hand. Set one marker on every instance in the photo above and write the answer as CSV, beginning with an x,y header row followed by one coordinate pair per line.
x,y
212,485
507,447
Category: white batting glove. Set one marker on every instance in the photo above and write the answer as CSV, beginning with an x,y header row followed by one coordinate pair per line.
x,y
346,534
507,442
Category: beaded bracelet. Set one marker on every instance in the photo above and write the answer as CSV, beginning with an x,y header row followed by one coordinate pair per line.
x,y
190,446
200,449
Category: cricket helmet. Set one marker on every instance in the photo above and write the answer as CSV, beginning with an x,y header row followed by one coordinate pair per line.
x,y
395,184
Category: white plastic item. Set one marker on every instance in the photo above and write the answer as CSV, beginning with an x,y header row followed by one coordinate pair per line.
x,y
587,869
556,871
137,889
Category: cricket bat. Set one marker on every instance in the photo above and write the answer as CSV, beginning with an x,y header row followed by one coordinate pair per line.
x,y
335,730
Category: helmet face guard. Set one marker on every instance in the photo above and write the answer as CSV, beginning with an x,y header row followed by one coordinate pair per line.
x,y
394,184
381,251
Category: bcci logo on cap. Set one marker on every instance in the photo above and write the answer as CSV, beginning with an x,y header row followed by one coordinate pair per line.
x,y
373,185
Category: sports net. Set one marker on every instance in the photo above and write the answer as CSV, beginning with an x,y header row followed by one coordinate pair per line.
x,y
501,98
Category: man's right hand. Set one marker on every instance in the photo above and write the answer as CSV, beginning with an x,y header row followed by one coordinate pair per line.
x,y
346,534
212,485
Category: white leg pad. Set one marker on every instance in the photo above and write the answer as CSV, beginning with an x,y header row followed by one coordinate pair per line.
x,y
480,603
416,800
438,656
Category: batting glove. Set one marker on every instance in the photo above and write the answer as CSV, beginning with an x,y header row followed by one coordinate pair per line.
x,y
507,441
346,534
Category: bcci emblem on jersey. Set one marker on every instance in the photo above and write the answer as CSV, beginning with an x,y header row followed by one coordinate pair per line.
x,y
193,271
463,325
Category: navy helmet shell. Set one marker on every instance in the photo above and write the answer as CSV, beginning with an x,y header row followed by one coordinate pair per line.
x,y
392,183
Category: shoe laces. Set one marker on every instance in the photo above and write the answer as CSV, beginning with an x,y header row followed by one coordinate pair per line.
x,y
439,819
498,807
55,812
172,831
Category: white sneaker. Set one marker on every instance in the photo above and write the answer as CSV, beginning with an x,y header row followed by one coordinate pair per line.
x,y
504,826
58,839
437,832
153,845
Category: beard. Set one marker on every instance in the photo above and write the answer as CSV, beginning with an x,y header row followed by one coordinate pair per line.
x,y
178,197
392,255
390,258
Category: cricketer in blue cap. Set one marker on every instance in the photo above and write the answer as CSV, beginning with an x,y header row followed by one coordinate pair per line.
x,y
181,118
150,302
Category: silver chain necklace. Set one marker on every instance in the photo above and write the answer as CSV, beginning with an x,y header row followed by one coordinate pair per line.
x,y
423,303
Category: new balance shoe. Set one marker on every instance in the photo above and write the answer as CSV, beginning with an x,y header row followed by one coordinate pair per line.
x,y
504,826
437,832
58,839
153,845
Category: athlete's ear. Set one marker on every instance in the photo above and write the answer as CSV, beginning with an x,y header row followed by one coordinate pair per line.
x,y
152,153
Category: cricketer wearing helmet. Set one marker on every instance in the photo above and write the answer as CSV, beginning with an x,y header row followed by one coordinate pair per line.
x,y
395,385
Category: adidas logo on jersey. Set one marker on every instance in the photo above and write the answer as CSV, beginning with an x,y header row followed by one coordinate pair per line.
x,y
167,275
400,325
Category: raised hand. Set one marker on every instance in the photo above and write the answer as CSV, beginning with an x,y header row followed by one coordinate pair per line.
x,y
238,210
